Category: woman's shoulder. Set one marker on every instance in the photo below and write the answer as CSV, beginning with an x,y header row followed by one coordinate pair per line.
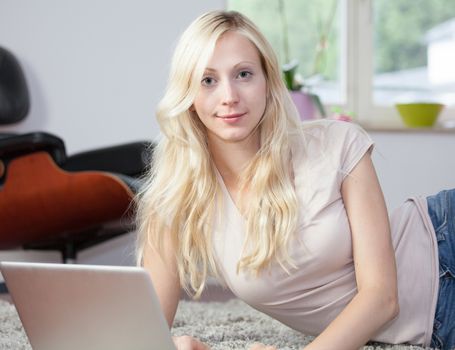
x,y
332,127
327,133
329,140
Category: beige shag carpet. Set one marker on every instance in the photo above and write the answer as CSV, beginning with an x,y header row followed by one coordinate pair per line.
x,y
224,326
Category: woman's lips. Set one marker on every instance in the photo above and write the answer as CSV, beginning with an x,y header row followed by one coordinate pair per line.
x,y
231,118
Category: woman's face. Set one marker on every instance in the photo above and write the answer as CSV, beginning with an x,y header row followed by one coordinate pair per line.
x,y
232,95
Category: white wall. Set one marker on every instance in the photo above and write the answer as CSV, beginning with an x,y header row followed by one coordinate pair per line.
x,y
97,68
409,164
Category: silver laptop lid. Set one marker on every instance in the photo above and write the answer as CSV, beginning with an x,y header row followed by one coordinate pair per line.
x,y
74,307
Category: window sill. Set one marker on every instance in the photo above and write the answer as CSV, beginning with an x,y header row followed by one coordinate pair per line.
x,y
398,127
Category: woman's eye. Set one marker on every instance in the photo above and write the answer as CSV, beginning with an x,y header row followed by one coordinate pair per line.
x,y
244,74
207,81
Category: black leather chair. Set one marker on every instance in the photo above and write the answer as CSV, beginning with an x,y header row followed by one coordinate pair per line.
x,y
52,201
14,95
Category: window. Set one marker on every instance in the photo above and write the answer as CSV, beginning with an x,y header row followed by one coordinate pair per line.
x,y
365,55
307,31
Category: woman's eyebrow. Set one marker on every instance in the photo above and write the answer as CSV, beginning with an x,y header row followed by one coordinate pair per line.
x,y
213,70
245,62
209,70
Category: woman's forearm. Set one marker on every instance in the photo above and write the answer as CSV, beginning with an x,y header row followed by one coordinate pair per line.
x,y
368,311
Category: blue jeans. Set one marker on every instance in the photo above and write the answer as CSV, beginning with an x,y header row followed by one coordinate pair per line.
x,y
441,208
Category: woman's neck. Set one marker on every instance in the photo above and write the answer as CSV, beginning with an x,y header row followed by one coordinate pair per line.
x,y
231,158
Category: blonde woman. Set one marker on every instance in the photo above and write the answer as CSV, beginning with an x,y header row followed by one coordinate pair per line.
x,y
290,217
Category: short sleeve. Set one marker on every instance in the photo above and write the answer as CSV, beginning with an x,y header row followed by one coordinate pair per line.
x,y
346,143
356,142
329,151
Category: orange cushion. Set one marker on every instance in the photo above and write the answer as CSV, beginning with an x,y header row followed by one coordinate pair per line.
x,y
39,200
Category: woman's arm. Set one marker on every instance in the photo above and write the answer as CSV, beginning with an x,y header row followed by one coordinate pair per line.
x,y
376,302
163,271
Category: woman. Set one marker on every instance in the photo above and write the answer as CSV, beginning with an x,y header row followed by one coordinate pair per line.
x,y
291,218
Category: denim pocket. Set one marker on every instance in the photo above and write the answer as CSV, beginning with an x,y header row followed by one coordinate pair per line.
x,y
445,272
441,209
436,341
441,229
437,210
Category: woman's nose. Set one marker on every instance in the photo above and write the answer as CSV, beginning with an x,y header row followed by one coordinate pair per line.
x,y
230,93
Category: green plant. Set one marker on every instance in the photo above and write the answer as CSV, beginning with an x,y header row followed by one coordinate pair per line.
x,y
290,74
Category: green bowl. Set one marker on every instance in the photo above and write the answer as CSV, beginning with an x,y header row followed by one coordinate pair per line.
x,y
418,115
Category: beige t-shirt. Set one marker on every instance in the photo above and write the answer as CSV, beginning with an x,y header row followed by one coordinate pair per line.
x,y
324,283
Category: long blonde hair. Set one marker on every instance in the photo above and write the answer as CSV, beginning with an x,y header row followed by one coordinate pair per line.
x,y
181,193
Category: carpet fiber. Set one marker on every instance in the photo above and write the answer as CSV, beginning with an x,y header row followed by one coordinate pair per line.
x,y
224,326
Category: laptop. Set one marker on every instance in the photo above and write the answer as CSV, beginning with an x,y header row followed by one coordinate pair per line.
x,y
75,307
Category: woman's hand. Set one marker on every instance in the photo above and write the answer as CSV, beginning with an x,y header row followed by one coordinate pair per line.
x,y
186,342
258,346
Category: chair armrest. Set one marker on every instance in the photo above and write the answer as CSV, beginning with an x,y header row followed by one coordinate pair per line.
x,y
17,145
129,159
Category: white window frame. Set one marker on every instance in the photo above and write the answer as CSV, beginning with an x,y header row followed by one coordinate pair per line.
x,y
359,26
359,29
357,71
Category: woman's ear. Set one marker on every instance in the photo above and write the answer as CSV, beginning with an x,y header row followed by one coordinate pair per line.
x,y
192,109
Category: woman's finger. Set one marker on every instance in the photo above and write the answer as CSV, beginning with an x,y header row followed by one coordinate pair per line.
x,y
186,342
